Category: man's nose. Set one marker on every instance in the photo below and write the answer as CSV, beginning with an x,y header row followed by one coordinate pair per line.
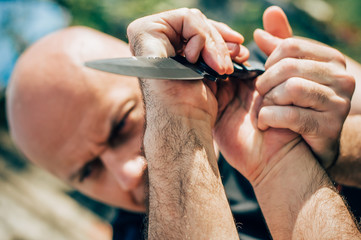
x,y
127,169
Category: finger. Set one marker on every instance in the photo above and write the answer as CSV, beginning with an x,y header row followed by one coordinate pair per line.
x,y
299,120
195,30
265,41
147,43
276,23
215,43
303,49
306,122
242,56
214,52
194,46
302,93
233,49
228,34
199,35
238,53
326,74
276,27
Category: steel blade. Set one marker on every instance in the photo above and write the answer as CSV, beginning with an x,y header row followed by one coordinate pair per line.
x,y
146,67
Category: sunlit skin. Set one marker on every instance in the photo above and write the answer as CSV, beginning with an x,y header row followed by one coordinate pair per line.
x,y
82,125
61,115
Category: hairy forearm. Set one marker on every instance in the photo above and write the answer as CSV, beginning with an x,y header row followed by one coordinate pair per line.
x,y
299,201
186,196
347,169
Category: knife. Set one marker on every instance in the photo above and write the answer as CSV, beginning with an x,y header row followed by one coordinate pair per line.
x,y
174,68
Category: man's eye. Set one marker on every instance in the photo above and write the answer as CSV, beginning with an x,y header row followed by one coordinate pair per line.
x,y
120,126
90,169
116,135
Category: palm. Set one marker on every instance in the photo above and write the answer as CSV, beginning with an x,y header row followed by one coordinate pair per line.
x,y
245,147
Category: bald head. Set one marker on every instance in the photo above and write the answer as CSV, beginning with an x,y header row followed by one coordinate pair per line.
x,y
50,86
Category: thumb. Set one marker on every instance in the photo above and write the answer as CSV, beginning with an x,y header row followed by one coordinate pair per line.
x,y
276,23
265,41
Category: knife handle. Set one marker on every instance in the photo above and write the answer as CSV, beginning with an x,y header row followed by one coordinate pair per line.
x,y
240,71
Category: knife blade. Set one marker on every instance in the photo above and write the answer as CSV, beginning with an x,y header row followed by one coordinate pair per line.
x,y
173,68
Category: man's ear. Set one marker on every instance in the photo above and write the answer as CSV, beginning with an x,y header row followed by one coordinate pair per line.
x,y
277,27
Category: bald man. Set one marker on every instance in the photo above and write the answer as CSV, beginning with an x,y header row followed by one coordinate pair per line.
x,y
85,126
68,117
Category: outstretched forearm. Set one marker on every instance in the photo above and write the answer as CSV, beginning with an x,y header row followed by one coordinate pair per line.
x,y
186,196
299,201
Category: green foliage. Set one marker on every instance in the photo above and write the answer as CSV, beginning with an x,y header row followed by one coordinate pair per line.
x,y
346,24
113,16
343,31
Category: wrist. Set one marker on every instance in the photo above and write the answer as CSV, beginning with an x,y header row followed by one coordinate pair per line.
x,y
188,99
288,187
296,170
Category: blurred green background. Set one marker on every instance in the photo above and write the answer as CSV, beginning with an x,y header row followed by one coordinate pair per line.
x,y
336,23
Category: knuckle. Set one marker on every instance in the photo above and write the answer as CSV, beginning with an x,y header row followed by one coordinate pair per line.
x,y
203,35
131,27
287,65
185,11
290,45
344,81
309,124
196,12
339,57
293,87
318,96
344,106
348,83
